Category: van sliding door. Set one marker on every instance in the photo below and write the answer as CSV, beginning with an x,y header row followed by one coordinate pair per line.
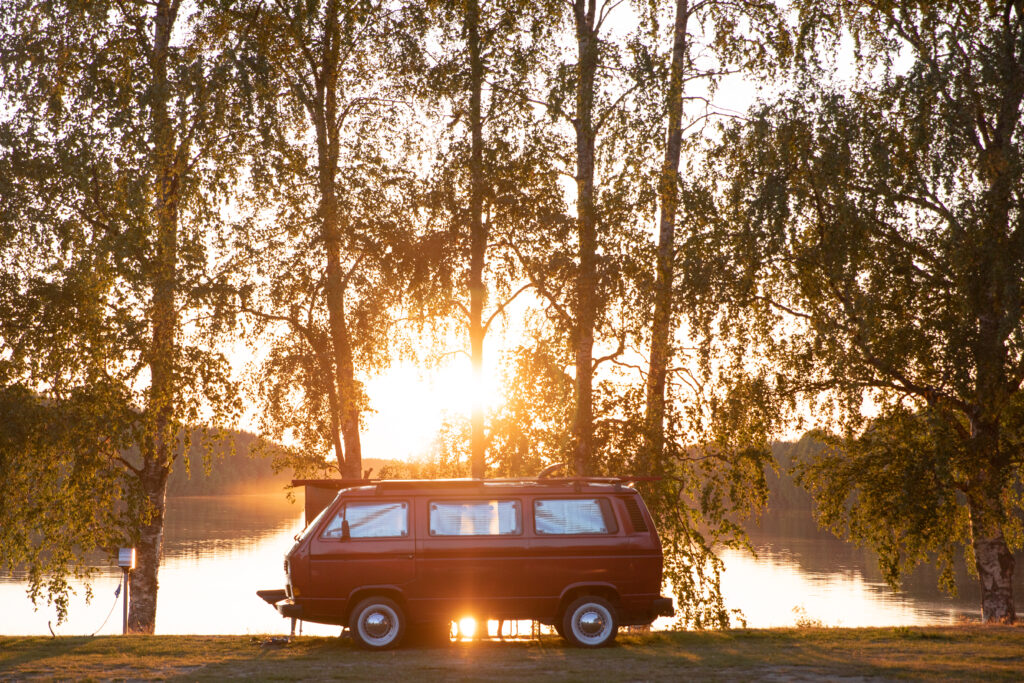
x,y
472,559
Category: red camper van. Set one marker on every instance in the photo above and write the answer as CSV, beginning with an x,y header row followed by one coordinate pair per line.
x,y
579,554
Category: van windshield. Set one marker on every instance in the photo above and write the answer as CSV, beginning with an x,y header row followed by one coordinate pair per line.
x,y
312,525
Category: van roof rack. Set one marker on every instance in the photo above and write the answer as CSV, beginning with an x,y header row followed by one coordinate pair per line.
x,y
339,484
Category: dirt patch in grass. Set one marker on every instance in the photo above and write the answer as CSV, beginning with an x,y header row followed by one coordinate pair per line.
x,y
963,653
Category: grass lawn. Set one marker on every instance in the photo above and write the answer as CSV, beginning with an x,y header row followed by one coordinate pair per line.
x,y
965,652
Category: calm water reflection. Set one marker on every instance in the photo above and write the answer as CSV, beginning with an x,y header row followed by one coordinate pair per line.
x,y
803,573
219,551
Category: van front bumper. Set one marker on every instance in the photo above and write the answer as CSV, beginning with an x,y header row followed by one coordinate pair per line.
x,y
283,604
288,608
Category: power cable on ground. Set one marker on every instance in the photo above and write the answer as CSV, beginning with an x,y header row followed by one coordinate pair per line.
x,y
117,594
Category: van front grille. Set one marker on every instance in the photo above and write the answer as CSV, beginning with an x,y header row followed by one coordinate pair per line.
x,y
636,518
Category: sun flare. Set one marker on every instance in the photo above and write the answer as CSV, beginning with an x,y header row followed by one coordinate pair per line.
x,y
409,406
467,627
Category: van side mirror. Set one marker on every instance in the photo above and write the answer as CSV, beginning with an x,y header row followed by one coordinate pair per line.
x,y
344,529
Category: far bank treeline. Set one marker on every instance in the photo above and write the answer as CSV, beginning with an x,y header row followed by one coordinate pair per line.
x,y
667,284
240,463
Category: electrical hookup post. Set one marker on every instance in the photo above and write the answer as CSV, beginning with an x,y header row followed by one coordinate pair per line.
x,y
126,561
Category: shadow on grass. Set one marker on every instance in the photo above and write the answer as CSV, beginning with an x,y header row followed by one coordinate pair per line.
x,y
19,651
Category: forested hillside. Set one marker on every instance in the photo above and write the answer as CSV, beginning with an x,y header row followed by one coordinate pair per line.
x,y
242,463
239,462
783,491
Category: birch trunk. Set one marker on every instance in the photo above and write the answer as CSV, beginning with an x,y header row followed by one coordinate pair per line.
x,y
157,449
144,580
668,192
586,226
992,557
478,241
325,116
994,562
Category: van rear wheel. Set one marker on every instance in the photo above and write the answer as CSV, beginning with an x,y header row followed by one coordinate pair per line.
x,y
377,623
590,621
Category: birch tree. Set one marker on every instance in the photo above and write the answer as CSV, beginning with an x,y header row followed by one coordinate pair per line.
x,y
333,85
120,132
490,55
875,224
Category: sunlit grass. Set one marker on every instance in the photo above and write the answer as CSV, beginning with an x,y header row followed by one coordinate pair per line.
x,y
962,653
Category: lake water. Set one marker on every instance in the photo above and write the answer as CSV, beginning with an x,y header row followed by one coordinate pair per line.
x,y
219,551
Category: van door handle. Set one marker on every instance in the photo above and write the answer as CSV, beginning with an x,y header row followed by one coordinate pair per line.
x,y
408,557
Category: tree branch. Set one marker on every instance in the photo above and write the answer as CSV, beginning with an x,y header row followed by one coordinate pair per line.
x,y
538,282
501,308
136,470
611,356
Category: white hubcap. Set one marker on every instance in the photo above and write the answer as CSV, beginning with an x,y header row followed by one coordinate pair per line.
x,y
378,625
591,623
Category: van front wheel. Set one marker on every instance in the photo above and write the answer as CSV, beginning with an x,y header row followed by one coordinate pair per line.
x,y
590,622
377,623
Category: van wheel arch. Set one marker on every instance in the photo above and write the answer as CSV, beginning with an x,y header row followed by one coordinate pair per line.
x,y
572,593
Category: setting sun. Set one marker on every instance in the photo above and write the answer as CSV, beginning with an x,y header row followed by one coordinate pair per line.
x,y
410,404
467,627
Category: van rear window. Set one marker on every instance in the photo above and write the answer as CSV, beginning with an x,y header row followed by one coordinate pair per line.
x,y
370,520
475,518
573,516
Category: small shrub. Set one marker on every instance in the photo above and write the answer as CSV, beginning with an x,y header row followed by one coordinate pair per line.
x,y
805,621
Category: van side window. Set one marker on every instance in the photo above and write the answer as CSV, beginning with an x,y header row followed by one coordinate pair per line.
x,y
475,518
573,516
370,520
